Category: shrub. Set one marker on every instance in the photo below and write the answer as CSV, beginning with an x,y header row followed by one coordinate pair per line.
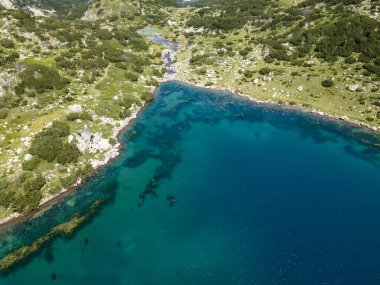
x,y
35,184
350,60
27,202
41,78
131,76
68,181
372,68
147,96
59,128
264,71
84,116
7,43
327,83
32,164
268,59
3,113
46,147
243,52
68,153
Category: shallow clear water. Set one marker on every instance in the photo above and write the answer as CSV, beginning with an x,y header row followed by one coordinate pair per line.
x,y
263,195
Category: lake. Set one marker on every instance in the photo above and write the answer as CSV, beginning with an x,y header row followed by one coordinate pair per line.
x,y
214,189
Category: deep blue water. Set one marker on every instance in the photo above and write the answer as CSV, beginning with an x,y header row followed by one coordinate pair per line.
x,y
263,195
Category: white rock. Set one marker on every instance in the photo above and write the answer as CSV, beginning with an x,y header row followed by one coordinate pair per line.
x,y
7,4
84,138
299,88
70,138
28,157
6,80
353,87
26,140
36,12
75,108
267,78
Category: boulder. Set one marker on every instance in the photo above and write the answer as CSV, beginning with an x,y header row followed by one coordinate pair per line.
x,y
28,157
84,138
353,87
75,108
7,4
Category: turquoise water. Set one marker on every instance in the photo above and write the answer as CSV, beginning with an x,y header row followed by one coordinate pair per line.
x,y
213,189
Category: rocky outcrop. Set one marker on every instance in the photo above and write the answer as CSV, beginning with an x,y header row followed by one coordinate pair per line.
x,y
6,80
7,4
353,87
76,108
88,141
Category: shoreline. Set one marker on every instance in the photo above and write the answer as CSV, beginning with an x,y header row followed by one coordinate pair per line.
x,y
312,111
117,132
47,202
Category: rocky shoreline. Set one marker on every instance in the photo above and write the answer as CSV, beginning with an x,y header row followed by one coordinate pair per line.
x,y
313,111
110,156
114,152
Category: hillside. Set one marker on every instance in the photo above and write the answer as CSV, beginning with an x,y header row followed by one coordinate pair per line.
x,y
66,87
315,54
72,74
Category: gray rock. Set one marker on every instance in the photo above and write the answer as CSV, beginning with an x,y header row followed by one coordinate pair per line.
x,y
75,108
353,87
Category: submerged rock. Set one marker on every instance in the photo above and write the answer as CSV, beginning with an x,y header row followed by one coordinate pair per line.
x,y
171,200
53,276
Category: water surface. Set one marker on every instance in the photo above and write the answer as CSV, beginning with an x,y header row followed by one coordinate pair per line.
x,y
213,189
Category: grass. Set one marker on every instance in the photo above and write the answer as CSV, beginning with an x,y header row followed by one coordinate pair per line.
x,y
224,73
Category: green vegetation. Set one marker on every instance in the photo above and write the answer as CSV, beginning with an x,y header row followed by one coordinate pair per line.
x,y
327,83
3,113
316,54
49,145
35,184
32,164
85,116
87,54
40,78
234,14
